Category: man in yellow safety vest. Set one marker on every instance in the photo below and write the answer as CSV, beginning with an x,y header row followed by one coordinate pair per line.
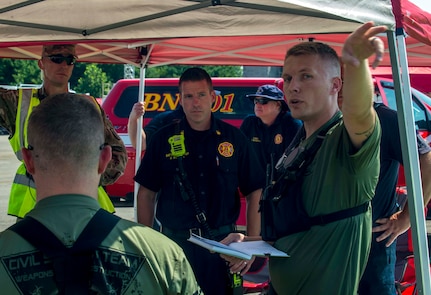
x,y
57,63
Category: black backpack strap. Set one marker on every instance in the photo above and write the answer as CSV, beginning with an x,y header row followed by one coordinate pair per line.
x,y
294,170
281,205
72,266
96,231
39,236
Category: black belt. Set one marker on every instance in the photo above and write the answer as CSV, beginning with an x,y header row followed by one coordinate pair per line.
x,y
185,233
342,214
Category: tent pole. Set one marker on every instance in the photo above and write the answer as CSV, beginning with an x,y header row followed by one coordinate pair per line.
x,y
398,55
139,140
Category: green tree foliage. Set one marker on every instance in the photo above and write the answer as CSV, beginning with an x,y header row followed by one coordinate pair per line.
x,y
90,78
15,72
175,71
92,81
114,72
78,72
224,71
165,72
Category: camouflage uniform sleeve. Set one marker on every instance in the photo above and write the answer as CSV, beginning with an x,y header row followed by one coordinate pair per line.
x,y
119,153
8,109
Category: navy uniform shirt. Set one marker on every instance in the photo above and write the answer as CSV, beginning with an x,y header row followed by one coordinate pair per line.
x,y
217,162
384,202
269,142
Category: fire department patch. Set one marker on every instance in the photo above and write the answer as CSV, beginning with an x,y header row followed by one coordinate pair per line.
x,y
225,149
278,139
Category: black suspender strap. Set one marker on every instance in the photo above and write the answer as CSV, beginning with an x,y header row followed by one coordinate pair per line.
x,y
338,215
187,192
281,206
72,266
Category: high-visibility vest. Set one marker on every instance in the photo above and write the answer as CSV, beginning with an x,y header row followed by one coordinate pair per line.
x,y
23,191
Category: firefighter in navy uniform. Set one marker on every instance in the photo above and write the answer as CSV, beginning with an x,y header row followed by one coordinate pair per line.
x,y
195,166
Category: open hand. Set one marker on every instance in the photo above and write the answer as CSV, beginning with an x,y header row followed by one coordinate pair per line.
x,y
363,43
391,227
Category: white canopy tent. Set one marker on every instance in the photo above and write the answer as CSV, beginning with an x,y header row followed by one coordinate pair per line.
x,y
155,32
179,31
188,32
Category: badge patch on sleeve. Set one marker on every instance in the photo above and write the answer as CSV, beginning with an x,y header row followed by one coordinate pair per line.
x,y
225,149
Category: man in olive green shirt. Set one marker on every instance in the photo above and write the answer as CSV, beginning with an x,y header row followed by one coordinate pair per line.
x,y
330,258
130,259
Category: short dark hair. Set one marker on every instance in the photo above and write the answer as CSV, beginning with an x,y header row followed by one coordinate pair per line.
x,y
66,129
324,51
195,74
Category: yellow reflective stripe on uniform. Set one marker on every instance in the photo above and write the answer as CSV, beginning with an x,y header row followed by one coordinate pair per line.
x,y
24,180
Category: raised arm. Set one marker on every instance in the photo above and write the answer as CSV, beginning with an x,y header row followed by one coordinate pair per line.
x,y
137,111
358,112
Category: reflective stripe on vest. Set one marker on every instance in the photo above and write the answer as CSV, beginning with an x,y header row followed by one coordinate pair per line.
x,y
24,180
27,100
22,195
23,192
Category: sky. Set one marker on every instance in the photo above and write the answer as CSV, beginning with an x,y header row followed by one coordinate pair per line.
x,y
423,4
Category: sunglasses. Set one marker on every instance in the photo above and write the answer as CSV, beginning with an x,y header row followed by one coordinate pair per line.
x,y
262,101
59,59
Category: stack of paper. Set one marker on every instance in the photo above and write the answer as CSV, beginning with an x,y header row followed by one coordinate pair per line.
x,y
243,250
